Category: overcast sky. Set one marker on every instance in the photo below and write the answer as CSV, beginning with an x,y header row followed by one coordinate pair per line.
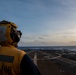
x,y
42,22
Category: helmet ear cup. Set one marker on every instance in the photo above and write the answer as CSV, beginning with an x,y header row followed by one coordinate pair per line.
x,y
18,36
15,36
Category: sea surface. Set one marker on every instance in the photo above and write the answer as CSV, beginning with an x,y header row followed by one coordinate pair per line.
x,y
71,48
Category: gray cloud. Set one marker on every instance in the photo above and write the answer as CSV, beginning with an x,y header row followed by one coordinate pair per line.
x,y
41,37
74,42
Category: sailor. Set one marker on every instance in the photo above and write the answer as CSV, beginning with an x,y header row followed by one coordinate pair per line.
x,y
12,60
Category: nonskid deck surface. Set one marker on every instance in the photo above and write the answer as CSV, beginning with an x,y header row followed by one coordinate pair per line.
x,y
52,63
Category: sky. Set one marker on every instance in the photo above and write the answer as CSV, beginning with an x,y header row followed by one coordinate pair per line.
x,y
42,22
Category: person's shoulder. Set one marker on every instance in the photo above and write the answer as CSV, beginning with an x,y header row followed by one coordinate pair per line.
x,y
22,51
18,50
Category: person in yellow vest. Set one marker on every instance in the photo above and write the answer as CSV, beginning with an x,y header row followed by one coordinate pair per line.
x,y
12,60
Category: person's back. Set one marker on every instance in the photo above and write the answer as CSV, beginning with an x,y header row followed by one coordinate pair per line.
x,y
12,60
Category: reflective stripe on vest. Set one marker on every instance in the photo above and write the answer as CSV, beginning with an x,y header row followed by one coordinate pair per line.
x,y
5,58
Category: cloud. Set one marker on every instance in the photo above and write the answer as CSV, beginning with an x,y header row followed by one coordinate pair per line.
x,y
74,42
49,41
42,20
45,38
44,43
41,37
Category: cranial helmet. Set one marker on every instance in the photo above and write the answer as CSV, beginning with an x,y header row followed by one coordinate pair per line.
x,y
9,33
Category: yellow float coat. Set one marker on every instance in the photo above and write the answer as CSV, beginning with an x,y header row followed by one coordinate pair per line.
x,y
10,60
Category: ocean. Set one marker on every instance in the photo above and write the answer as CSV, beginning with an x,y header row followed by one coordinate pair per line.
x,y
71,48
